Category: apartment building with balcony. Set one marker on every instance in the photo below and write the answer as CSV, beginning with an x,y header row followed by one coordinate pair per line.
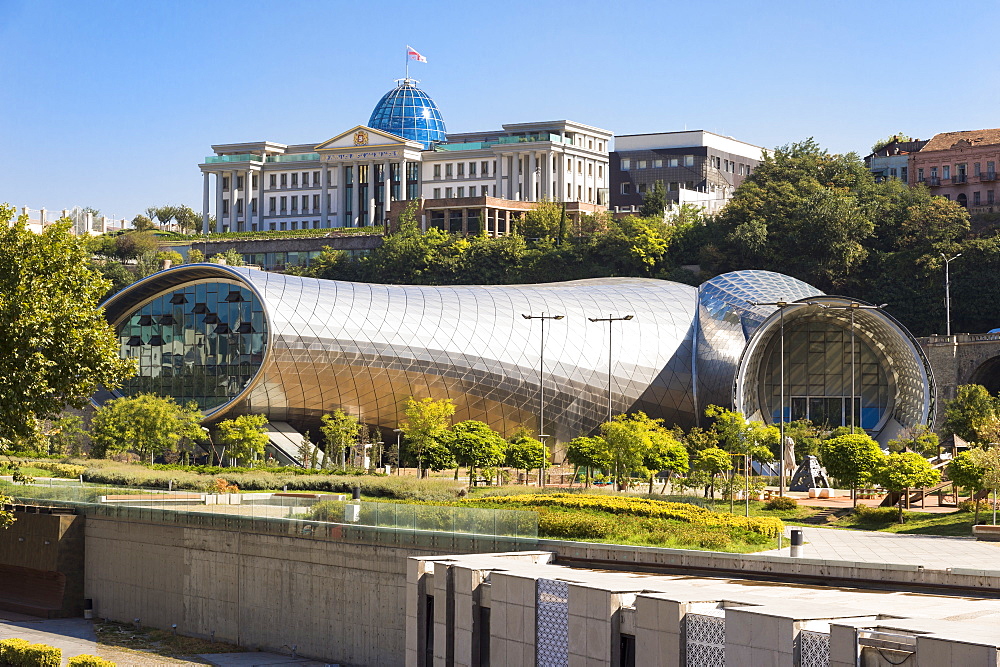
x,y
892,161
365,175
961,166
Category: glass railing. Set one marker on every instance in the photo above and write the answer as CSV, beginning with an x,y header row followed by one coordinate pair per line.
x,y
243,157
532,138
320,516
294,157
466,146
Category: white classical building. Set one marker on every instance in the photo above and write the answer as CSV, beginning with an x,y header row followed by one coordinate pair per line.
x,y
478,179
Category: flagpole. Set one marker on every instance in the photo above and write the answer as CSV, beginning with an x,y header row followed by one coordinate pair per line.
x,y
407,76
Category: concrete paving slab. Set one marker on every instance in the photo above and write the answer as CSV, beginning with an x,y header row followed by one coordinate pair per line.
x,y
258,659
931,551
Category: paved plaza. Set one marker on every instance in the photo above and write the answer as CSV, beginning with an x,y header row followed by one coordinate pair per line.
x,y
931,551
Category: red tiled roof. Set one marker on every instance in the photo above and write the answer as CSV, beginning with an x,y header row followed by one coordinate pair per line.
x,y
946,140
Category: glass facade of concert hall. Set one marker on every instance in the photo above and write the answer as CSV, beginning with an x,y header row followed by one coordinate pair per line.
x,y
241,340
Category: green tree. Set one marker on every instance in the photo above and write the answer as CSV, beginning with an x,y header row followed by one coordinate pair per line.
x,y
162,214
970,412
664,453
852,459
882,143
989,461
919,438
244,437
588,453
230,257
712,461
629,440
427,420
187,219
965,472
174,257
901,471
526,453
67,435
475,445
56,347
340,431
146,424
133,245
142,223
195,256
543,221
755,440
654,201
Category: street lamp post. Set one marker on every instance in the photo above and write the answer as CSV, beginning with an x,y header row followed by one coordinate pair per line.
x,y
781,381
609,319
399,453
852,307
541,385
947,290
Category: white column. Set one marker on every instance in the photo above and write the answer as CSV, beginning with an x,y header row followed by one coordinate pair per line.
x,y
324,207
247,196
372,184
232,201
532,180
218,201
204,204
260,199
386,189
402,181
496,174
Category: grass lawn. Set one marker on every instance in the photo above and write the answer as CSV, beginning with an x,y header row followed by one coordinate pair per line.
x,y
953,524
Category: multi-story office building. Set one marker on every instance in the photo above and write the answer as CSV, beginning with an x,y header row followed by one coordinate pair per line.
x,y
467,180
892,161
686,163
961,166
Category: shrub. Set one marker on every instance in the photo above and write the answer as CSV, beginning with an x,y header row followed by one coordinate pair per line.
x,y
781,503
574,526
876,515
22,653
85,660
60,469
642,507
970,506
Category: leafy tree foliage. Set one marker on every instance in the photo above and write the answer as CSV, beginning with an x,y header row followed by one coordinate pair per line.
x,y
971,413
654,201
882,143
901,471
664,453
67,436
526,453
427,420
988,461
852,459
340,431
589,453
965,472
56,348
145,424
195,256
628,439
475,445
244,436
142,223
712,462
230,257
920,439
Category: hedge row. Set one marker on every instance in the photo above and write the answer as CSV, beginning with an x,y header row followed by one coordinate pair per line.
x,y
22,653
645,507
67,470
84,660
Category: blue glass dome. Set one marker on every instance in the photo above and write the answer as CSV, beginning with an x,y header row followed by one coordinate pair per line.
x,y
409,112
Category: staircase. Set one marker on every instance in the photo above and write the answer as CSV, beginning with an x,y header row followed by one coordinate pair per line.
x,y
824,516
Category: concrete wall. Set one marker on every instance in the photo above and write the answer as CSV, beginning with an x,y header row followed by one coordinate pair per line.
x,y
334,600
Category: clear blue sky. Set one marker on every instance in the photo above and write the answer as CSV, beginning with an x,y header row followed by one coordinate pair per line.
x,y
114,104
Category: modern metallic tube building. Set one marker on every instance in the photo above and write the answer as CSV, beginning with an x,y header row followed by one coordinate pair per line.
x,y
240,340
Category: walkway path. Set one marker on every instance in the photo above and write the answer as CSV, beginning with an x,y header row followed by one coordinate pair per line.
x,y
932,551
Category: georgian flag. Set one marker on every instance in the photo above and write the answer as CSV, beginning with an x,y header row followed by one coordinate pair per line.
x,y
413,55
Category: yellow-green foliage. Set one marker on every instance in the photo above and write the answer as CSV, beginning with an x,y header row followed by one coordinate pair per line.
x,y
60,469
22,653
85,660
644,507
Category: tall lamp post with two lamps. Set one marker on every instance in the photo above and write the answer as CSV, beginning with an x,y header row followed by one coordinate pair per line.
x,y
610,320
541,386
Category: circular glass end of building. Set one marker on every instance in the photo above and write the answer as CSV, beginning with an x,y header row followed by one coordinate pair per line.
x,y
203,342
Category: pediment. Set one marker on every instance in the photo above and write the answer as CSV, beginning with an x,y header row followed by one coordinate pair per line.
x,y
361,136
